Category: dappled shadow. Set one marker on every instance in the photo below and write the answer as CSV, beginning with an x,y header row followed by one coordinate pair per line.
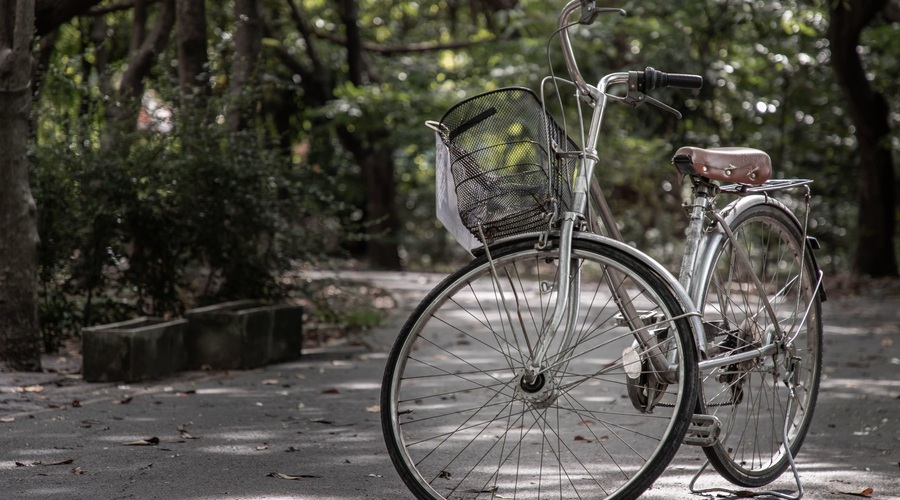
x,y
220,435
315,422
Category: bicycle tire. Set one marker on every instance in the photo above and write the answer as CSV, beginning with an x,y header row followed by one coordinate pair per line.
x,y
751,398
457,421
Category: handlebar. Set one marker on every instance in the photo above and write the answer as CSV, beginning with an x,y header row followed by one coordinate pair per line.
x,y
589,12
638,81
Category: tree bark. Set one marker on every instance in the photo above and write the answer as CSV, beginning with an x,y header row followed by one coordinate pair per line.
x,y
144,52
247,43
122,118
192,57
19,332
869,110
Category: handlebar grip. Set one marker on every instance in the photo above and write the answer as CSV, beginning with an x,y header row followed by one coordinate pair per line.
x,y
684,81
654,79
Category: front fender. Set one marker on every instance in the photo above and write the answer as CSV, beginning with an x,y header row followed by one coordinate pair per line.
x,y
672,283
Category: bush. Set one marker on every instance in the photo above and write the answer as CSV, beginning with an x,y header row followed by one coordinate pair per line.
x,y
165,221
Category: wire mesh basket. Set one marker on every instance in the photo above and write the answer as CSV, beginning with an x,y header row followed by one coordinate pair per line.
x,y
508,164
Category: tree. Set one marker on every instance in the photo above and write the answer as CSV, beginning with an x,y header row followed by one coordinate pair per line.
x,y
247,42
143,50
19,334
870,112
51,14
192,43
375,154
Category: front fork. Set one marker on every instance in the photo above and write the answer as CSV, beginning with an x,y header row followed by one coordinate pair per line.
x,y
566,308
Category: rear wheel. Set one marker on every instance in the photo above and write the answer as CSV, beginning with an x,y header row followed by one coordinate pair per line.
x,y
461,420
751,398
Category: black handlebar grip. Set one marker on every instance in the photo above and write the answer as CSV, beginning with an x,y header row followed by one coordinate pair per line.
x,y
654,79
682,81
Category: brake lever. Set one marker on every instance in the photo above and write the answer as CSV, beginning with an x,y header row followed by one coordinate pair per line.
x,y
590,11
663,106
635,98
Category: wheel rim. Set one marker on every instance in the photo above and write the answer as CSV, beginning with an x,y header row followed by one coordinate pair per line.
x,y
751,399
469,425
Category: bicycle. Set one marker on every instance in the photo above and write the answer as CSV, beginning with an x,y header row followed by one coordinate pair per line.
x,y
561,362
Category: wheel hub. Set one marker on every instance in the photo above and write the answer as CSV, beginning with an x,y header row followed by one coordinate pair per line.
x,y
540,392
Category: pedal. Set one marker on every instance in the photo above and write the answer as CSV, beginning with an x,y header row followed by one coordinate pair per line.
x,y
703,431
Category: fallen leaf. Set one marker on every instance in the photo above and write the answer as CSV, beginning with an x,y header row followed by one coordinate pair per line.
x,y
7,420
291,449
48,464
291,477
492,489
270,381
444,475
586,422
77,471
331,390
373,408
866,493
887,342
375,475
143,442
61,462
262,447
601,439
321,421
33,388
76,404
124,401
184,433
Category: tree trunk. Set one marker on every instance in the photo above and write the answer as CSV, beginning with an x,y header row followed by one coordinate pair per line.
x,y
144,51
370,146
192,57
19,332
869,110
247,42
51,14
349,11
381,194
122,118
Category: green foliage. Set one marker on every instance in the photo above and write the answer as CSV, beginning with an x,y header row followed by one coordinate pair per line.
x,y
165,221
768,84
151,222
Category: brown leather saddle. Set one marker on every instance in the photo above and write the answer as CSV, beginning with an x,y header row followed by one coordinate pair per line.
x,y
740,165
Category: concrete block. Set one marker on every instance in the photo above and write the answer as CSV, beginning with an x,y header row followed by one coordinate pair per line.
x,y
287,333
135,350
242,334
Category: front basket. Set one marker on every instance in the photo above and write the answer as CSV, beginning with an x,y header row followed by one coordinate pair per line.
x,y
507,161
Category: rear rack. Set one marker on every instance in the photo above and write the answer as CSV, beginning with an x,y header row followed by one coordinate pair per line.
x,y
768,186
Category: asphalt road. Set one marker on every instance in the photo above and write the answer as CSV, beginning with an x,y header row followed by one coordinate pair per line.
x,y
310,429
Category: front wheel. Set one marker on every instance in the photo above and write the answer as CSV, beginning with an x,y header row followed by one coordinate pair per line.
x,y
751,398
462,421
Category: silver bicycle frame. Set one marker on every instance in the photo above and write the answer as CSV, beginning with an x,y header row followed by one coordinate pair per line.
x,y
564,308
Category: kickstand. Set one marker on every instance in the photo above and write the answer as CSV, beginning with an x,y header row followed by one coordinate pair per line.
x,y
797,495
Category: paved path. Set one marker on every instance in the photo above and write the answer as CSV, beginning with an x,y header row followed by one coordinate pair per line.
x,y
309,429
